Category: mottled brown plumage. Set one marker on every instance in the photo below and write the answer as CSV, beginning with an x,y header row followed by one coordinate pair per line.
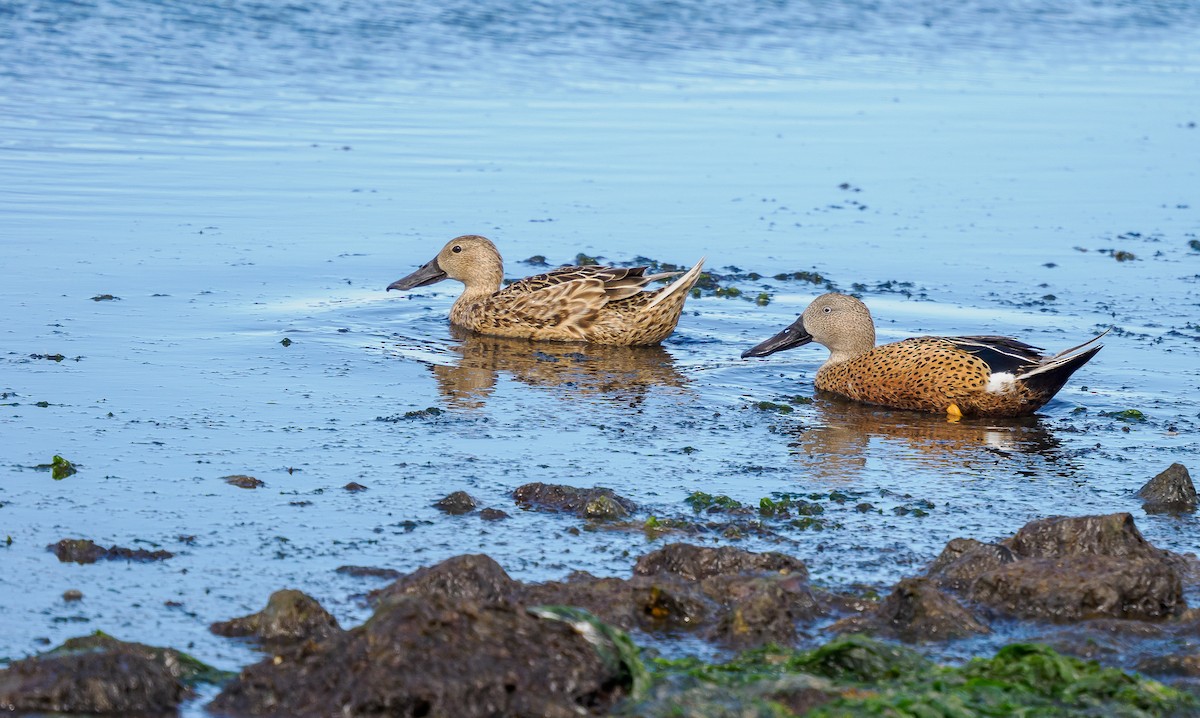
x,y
601,305
961,376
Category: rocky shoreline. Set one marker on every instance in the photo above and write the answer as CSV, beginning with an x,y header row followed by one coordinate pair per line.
x,y
462,638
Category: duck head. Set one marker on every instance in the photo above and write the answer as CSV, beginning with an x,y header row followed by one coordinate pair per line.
x,y
840,322
470,259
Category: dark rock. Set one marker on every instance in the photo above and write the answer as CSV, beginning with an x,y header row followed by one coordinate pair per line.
x,y
1187,664
354,487
757,610
644,603
243,481
594,503
290,617
72,594
475,576
964,560
434,656
457,503
493,515
1170,491
111,682
369,572
1067,569
916,611
1082,587
87,551
1112,535
699,562
100,674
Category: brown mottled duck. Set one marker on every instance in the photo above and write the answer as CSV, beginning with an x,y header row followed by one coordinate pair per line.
x,y
960,376
601,305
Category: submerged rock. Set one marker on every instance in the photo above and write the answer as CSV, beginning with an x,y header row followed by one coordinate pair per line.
x,y
1170,491
916,611
435,656
88,551
457,503
699,562
290,617
100,674
595,503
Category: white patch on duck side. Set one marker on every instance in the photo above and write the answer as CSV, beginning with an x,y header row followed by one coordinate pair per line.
x,y
1001,382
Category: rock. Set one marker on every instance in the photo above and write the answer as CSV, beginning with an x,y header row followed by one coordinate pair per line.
x,y
475,576
243,481
457,503
100,674
493,515
964,560
596,503
798,693
290,617
698,562
916,611
88,551
1170,491
72,594
369,572
1070,569
644,603
354,487
434,655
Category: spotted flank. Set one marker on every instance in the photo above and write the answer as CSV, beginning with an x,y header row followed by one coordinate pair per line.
x,y
958,376
601,305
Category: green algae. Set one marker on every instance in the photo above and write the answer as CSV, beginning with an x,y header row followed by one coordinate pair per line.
x,y
867,677
60,468
1130,415
700,501
772,406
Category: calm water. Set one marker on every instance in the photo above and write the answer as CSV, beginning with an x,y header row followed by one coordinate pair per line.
x,y
240,173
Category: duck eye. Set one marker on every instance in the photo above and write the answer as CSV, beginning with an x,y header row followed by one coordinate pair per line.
x,y
456,249
828,309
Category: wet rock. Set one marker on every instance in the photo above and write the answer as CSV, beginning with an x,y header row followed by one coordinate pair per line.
x,y
644,603
72,594
729,595
493,515
290,617
369,572
1069,569
763,698
434,656
595,503
457,503
1186,664
699,562
964,560
354,487
88,551
1112,535
100,674
916,611
243,481
1170,491
475,576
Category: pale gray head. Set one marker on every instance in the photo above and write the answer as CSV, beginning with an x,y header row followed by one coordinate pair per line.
x,y
471,259
840,322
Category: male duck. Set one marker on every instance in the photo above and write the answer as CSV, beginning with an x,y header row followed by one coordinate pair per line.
x,y
602,305
961,376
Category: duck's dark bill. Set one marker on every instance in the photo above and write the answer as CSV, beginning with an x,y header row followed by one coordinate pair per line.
x,y
427,274
793,336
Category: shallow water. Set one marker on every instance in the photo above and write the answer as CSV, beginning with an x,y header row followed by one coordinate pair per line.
x,y
238,175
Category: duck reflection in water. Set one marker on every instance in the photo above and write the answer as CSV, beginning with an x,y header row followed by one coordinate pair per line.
x,y
835,445
625,375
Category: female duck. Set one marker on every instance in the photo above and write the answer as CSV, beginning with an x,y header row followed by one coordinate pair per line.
x,y
961,376
602,305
